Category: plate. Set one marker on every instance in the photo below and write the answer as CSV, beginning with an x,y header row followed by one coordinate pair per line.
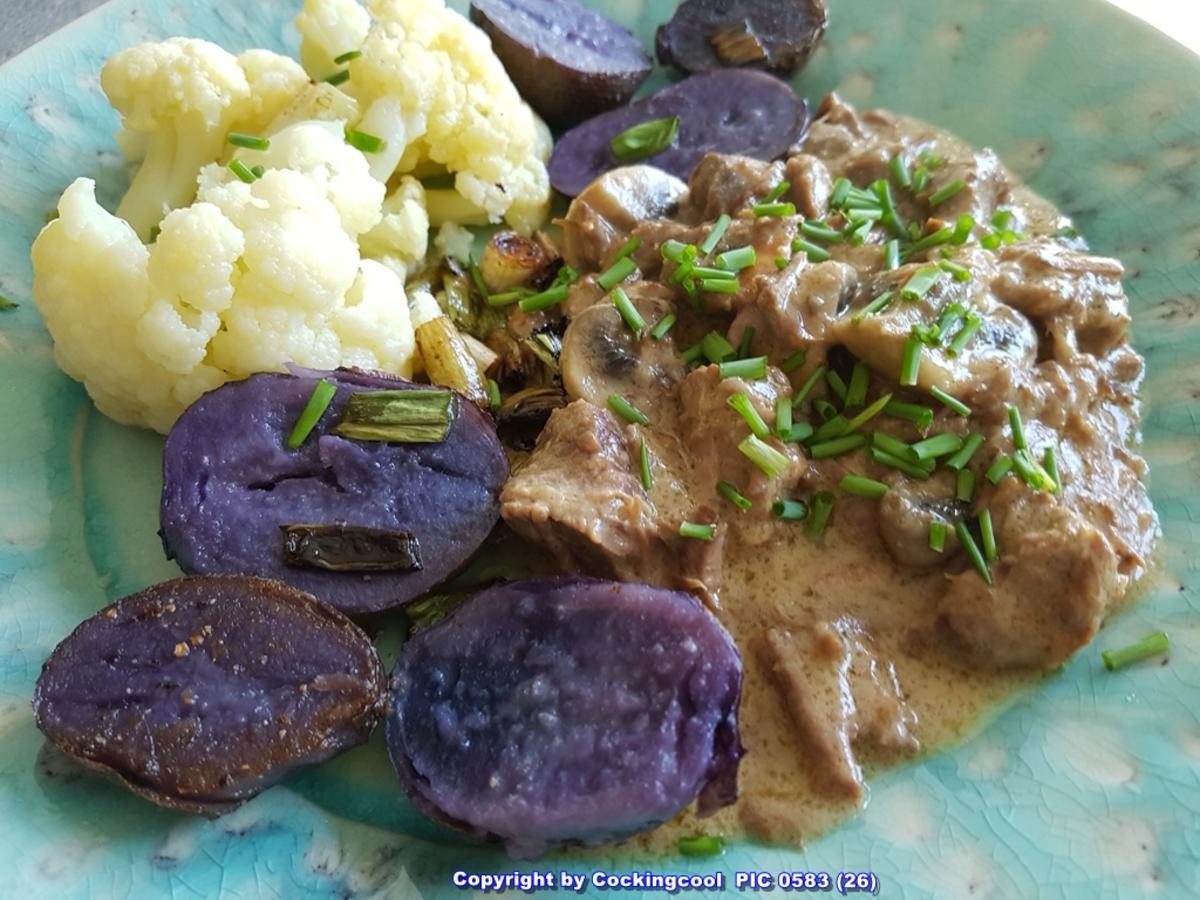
x,y
1087,787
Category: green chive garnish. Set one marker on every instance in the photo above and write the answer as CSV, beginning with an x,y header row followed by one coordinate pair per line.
x,y
937,536
1050,464
873,307
891,254
920,282
962,229
921,416
701,845
817,374
697,532
645,139
883,457
900,171
155,231
910,363
856,392
841,189
550,297
616,273
733,495
815,252
820,509
1151,645
959,460
745,344
737,259
1031,473
347,56
676,251
767,458
322,396
1018,429
790,510
974,323
920,179
950,316
967,541
834,427
891,217
339,77
628,311
644,465
754,368
627,410
950,402
889,444
960,273
629,247
800,431
819,231
719,285
367,143
773,210
242,171
714,236
507,298
778,191
782,262
988,533
934,239
837,446
743,406
783,417
662,326
836,384
716,348
945,192
258,171
964,486
861,486
793,362
998,469
933,447
869,413
249,141
494,398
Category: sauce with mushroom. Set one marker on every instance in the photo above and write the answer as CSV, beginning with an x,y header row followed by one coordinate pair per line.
x,y
863,644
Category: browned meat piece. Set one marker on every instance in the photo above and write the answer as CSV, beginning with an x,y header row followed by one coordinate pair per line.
x,y
906,511
601,218
728,184
811,185
839,695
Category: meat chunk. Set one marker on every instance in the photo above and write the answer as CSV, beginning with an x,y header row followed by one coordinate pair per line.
x,y
906,511
811,185
723,183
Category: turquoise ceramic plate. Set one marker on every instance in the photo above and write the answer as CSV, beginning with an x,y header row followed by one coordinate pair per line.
x,y
1089,788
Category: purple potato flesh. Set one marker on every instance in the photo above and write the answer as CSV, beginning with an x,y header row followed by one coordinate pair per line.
x,y
556,711
199,693
777,35
567,61
724,111
230,482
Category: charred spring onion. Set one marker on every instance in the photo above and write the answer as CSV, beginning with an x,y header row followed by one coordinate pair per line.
x,y
403,417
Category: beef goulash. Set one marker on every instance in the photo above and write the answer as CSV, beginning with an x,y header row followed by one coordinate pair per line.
x,y
875,404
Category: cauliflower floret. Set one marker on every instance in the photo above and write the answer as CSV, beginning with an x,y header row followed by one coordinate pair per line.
x,y
178,100
454,241
401,238
247,279
328,29
430,85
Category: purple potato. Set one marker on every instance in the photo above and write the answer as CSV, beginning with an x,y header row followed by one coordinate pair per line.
x,y
567,710
724,111
567,61
230,483
777,35
201,692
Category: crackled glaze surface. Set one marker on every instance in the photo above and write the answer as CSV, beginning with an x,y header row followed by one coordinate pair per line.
x,y
1088,787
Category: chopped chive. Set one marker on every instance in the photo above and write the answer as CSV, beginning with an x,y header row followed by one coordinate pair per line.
x,y
616,273
860,486
964,485
662,326
837,446
318,402
933,447
889,444
962,229
818,231
869,413
959,460
733,495
155,231
242,171
505,299
873,307
835,382
627,410
910,363
716,348
367,143
754,368
546,299
815,252
249,141
742,404
1031,473
857,236
715,235
891,217
820,509
645,139
950,316
834,427
783,416
746,343
1050,464
988,533
921,416
790,510
800,431
930,159
856,392
709,272
702,845
674,251
949,401
477,278
960,273
927,334
998,469
883,457
1151,645
973,324
937,536
258,171
644,465
1018,429
767,458
628,311
793,362
719,285
817,374
900,171
697,532
967,541
934,239
782,262
891,254
920,179
629,247
737,259
946,191
494,398
773,210
778,191
692,354
920,282
347,56
1001,219
339,77
837,196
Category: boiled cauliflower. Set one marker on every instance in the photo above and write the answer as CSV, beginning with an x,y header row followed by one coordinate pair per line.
x,y
429,85
178,101
247,279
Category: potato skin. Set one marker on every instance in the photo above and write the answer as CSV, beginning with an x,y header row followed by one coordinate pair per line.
x,y
199,693
568,62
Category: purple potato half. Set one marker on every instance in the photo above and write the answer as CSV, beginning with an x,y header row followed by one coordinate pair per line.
x,y
567,61
724,111
777,35
230,483
557,711
201,692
